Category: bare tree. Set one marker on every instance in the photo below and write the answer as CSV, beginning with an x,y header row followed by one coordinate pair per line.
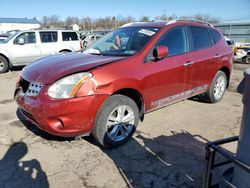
x,y
45,22
144,19
87,23
108,22
206,18
54,21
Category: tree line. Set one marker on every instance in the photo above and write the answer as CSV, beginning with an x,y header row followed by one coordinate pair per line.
x,y
112,22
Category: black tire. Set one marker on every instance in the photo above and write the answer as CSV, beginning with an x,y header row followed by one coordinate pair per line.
x,y
4,65
247,60
64,51
215,93
244,59
102,132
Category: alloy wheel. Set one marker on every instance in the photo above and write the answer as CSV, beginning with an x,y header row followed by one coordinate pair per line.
x,y
219,87
120,123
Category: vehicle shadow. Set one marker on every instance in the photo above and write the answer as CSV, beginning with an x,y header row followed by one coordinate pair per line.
x,y
17,68
14,172
198,98
33,128
164,161
240,62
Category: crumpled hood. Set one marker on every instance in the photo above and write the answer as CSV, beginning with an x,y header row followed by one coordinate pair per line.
x,y
49,69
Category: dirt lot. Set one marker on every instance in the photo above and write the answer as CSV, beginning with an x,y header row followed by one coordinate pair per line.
x,y
166,151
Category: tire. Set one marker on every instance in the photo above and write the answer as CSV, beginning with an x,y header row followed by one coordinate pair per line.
x,y
247,61
64,51
217,88
244,59
111,130
4,65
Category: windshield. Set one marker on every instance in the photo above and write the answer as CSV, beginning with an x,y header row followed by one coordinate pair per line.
x,y
10,37
122,42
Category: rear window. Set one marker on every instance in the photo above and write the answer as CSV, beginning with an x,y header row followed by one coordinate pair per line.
x,y
215,34
69,36
201,38
48,36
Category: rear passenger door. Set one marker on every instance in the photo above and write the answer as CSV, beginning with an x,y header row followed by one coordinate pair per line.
x,y
71,40
203,61
48,42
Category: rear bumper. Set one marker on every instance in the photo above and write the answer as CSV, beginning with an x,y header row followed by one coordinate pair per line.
x,y
64,117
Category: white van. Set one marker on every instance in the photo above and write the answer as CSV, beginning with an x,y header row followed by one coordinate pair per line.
x,y
27,46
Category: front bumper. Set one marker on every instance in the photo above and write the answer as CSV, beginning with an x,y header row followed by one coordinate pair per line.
x,y
64,117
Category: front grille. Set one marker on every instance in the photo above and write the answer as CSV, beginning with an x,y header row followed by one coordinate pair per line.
x,y
33,89
30,89
24,84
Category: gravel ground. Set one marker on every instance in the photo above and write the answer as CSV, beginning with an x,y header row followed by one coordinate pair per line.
x,y
166,151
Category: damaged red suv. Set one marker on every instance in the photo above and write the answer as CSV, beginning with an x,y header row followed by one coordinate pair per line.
x,y
138,68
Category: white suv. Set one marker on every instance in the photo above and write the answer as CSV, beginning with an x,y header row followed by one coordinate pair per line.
x,y
27,46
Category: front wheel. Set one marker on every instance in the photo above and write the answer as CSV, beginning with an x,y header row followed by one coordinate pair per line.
x,y
244,59
4,65
116,121
247,61
217,88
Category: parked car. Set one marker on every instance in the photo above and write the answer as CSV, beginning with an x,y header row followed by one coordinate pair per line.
x,y
106,90
12,32
229,42
88,39
242,53
26,46
3,38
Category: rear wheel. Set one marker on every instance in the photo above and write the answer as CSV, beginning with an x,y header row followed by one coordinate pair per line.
x,y
247,59
217,88
244,59
4,65
64,51
116,121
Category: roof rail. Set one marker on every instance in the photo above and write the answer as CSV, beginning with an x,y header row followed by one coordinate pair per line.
x,y
190,20
131,23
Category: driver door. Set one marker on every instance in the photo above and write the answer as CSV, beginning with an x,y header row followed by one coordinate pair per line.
x,y
28,51
165,82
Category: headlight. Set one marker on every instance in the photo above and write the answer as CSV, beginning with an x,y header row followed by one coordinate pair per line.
x,y
68,86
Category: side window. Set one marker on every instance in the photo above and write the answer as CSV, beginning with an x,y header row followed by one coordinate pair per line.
x,y
201,38
175,40
48,36
69,36
216,36
28,37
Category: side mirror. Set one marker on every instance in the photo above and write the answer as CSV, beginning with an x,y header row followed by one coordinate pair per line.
x,y
160,52
20,41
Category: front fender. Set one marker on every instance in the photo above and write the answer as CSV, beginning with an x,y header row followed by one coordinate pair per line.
x,y
119,84
93,87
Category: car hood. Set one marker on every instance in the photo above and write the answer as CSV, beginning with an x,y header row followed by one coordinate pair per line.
x,y
49,69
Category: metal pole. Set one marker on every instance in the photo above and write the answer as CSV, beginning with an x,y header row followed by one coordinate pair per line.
x,y
230,27
240,177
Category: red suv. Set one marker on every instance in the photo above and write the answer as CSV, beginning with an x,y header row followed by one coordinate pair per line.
x,y
133,70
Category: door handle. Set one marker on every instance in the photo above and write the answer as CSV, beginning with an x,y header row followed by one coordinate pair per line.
x,y
217,56
189,63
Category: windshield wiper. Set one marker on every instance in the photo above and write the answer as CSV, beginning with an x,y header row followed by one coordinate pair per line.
x,y
116,54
